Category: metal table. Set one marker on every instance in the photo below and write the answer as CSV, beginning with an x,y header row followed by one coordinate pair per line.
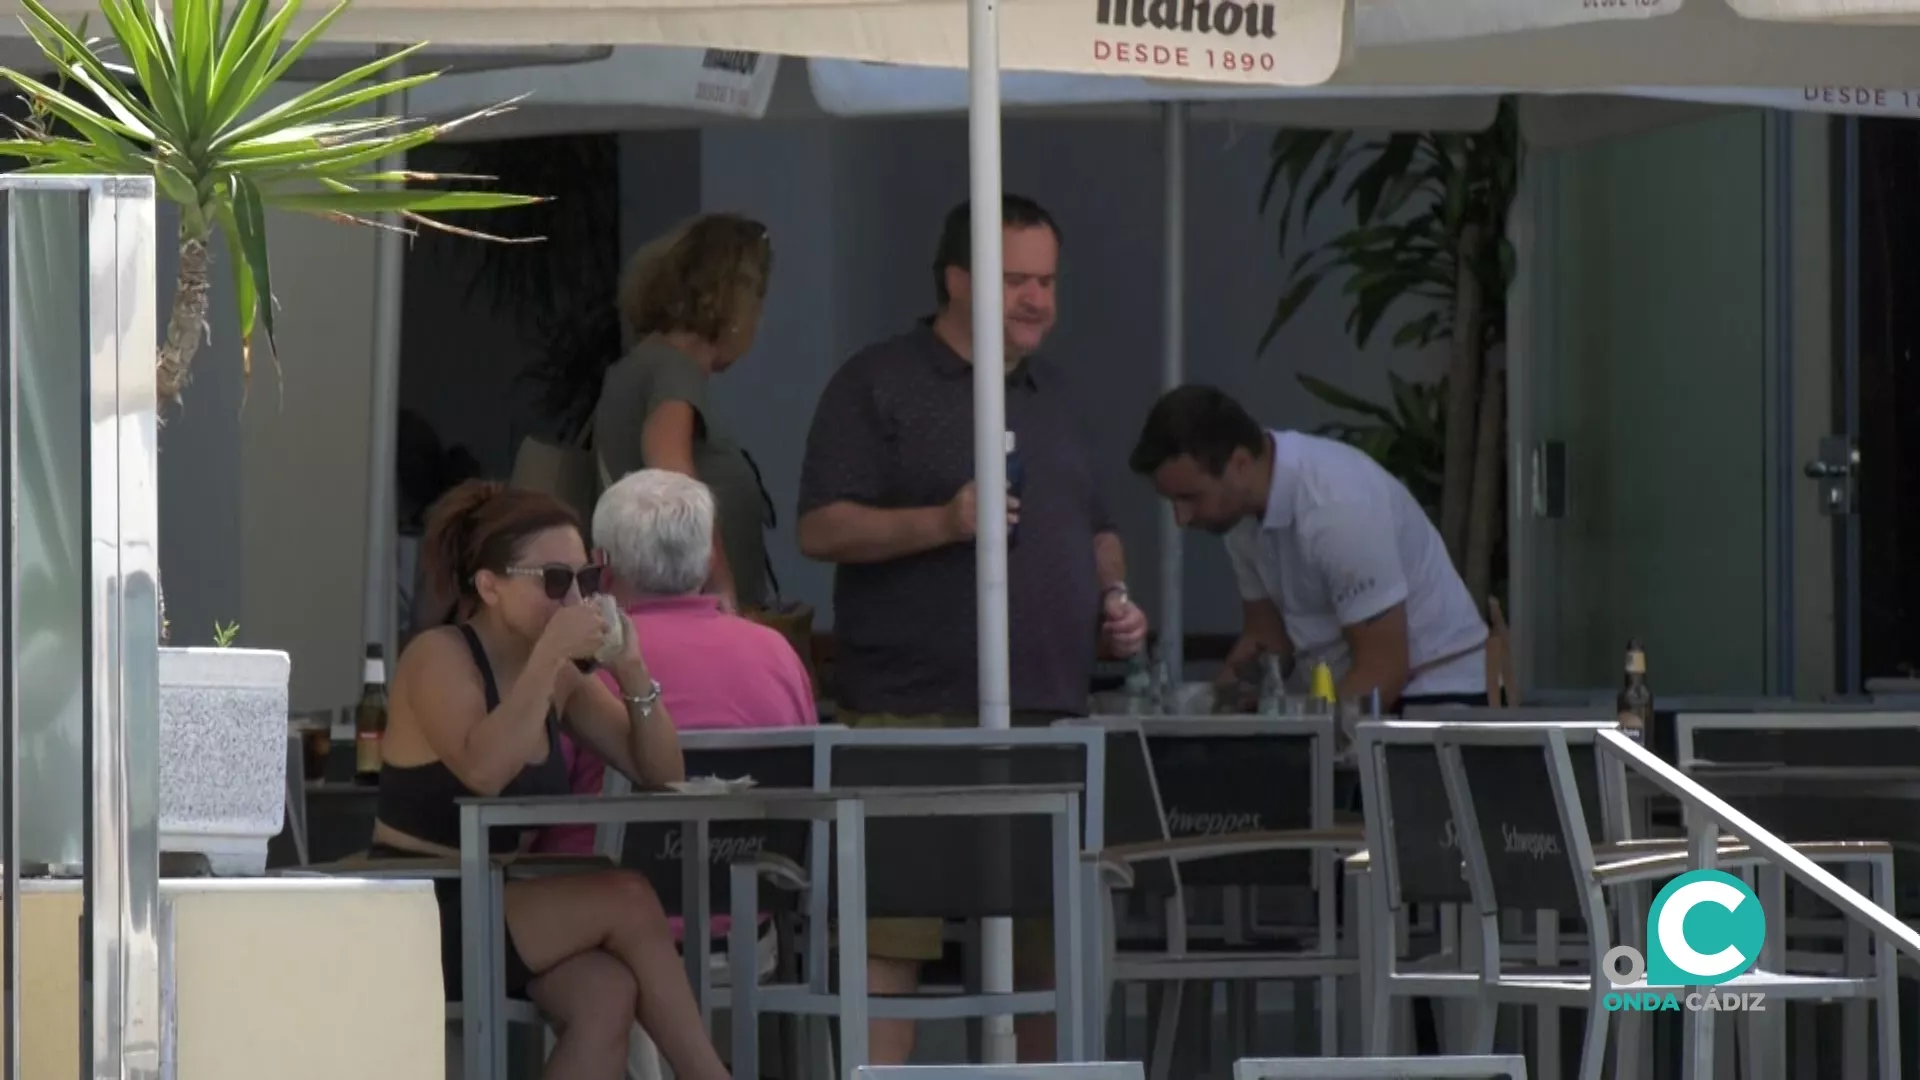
x,y
483,929
846,809
1059,802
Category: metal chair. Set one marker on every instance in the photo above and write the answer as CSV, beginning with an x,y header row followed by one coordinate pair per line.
x,y
1255,805
1412,858
951,867
1093,1070
1459,1067
1506,780
1807,736
777,852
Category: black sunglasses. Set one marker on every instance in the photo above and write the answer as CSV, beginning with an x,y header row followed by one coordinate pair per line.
x,y
558,580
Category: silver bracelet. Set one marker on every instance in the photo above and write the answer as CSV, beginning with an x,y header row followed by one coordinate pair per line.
x,y
644,702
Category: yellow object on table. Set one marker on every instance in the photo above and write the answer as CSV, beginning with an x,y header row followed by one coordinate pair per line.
x,y
1322,687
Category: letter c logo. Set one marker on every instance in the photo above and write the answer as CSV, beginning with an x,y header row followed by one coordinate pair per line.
x,y
1733,924
1672,927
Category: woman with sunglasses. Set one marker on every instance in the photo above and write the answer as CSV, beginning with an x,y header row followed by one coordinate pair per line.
x,y
476,709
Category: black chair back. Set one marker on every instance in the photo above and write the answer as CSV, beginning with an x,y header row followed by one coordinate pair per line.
x,y
1834,743
1517,819
1417,821
654,849
1218,777
961,867
1133,811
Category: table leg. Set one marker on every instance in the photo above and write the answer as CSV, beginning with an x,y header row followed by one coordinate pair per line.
x,y
476,946
496,926
1069,998
696,908
850,864
743,969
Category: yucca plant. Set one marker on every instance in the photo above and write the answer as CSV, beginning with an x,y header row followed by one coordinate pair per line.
x,y
1427,248
194,100
1406,436
190,99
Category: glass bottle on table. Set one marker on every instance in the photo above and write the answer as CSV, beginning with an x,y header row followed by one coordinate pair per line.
x,y
1273,685
1634,705
370,719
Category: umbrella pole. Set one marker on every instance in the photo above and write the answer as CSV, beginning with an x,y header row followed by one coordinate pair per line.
x,y
389,276
1173,356
989,451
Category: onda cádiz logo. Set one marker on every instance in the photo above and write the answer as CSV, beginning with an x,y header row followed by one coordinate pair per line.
x,y
1706,928
1225,18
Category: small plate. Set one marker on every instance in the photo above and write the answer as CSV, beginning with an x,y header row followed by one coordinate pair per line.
x,y
711,785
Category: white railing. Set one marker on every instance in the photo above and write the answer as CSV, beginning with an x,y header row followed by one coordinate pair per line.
x,y
1704,804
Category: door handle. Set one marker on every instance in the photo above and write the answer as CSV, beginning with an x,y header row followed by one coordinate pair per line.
x,y
1835,470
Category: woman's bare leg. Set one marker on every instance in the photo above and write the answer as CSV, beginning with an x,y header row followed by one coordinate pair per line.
x,y
589,998
555,918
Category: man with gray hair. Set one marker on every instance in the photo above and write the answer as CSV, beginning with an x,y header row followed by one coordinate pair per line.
x,y
716,670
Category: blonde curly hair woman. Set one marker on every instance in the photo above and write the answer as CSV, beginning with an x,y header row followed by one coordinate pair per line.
x,y
691,302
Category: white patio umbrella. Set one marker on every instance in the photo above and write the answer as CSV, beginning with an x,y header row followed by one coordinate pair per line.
x,y
632,87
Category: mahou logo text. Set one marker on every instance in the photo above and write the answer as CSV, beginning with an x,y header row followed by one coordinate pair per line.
x,y
1223,17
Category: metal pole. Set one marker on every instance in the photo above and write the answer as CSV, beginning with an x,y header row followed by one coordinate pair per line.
x,y
120,693
10,694
1850,187
1786,478
389,274
989,450
1173,357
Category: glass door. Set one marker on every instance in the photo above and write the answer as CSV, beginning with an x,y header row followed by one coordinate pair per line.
x,y
1647,501
1865,470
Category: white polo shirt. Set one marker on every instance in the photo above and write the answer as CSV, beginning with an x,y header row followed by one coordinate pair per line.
x,y
1343,541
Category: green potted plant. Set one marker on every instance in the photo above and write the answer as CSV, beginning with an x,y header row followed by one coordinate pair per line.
x,y
202,102
1428,247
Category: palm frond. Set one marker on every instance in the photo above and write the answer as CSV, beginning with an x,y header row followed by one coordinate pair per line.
x,y
200,101
1410,196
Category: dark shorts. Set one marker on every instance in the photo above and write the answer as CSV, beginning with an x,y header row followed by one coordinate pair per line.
x,y
446,893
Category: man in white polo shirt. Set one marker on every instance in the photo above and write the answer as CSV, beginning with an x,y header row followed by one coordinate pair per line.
x,y
1335,559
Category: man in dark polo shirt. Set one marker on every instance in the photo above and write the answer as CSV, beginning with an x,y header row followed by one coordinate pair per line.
x,y
887,494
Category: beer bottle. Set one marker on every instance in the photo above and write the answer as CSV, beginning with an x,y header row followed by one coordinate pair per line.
x,y
1635,703
370,719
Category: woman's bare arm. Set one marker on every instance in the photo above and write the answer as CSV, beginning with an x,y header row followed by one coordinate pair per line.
x,y
445,696
643,746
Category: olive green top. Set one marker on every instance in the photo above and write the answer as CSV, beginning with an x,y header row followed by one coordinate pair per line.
x,y
648,377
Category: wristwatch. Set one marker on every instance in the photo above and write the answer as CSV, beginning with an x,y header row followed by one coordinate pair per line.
x,y
644,702
1117,587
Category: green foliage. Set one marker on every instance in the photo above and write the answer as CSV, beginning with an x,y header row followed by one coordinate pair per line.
x,y
1411,195
223,635
185,99
1407,436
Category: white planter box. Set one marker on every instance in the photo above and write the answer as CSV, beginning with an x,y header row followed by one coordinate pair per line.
x,y
223,754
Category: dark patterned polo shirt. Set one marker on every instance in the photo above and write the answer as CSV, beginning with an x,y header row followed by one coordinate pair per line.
x,y
894,429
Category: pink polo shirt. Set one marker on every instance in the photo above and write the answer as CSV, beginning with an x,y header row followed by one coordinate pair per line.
x,y
721,671
715,671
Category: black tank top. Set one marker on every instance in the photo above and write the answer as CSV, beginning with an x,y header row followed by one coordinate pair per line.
x,y
419,799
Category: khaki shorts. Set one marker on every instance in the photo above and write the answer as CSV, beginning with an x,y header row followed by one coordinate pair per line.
x,y
923,940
